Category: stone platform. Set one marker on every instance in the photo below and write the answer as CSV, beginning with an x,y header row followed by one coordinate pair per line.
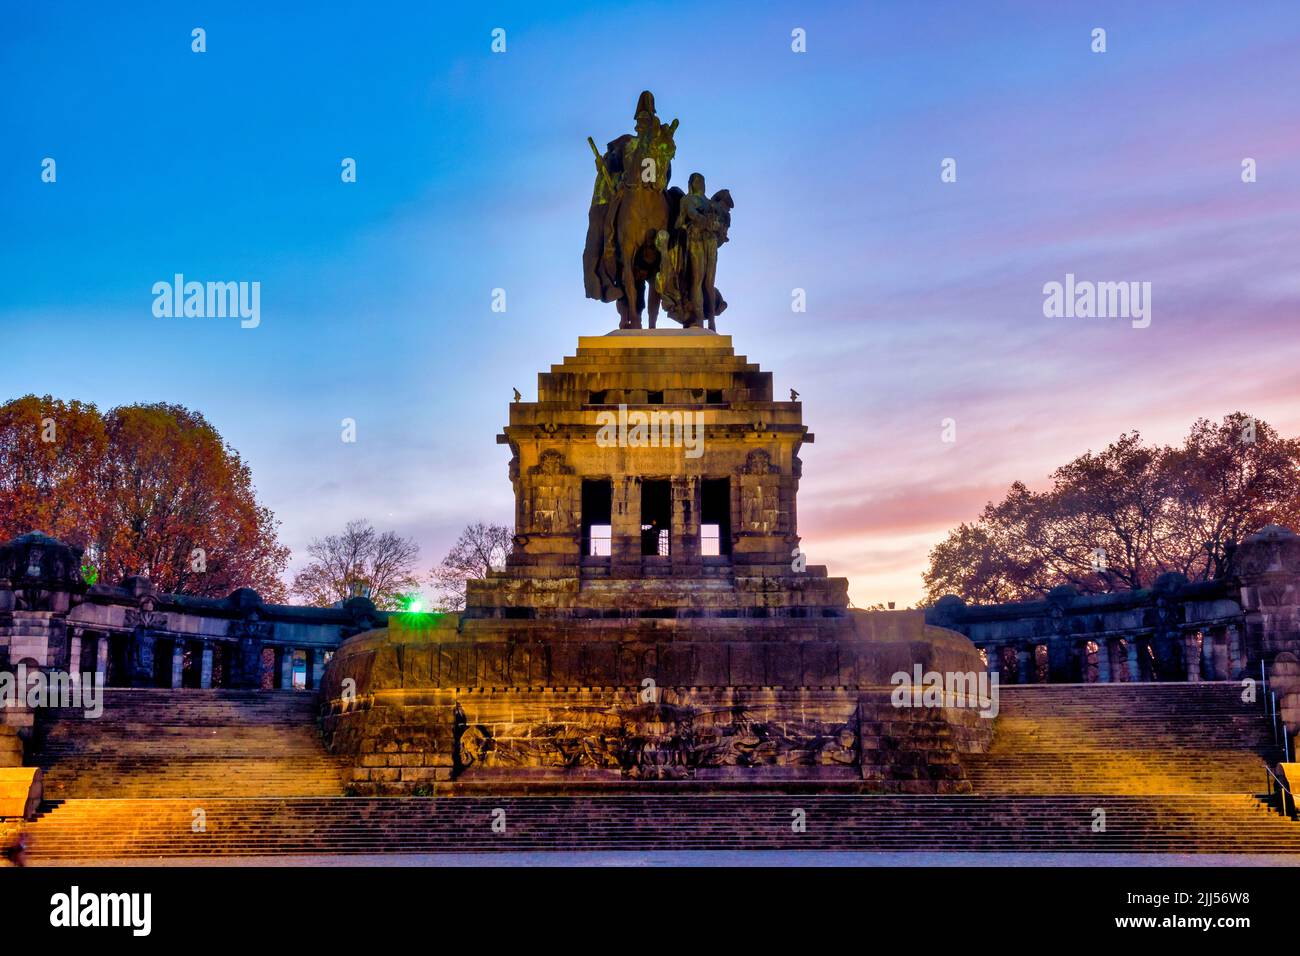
x,y
656,621
518,705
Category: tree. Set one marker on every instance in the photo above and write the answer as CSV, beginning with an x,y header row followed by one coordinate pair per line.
x,y
50,454
182,508
1119,518
1233,478
147,489
381,564
479,549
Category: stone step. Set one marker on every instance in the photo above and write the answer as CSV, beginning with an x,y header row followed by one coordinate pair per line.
x,y
1135,738
104,829
198,743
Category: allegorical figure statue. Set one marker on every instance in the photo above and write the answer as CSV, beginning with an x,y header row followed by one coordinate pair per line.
x,y
648,244
700,225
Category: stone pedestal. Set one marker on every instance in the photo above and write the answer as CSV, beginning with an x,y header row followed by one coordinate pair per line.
x,y
571,669
632,410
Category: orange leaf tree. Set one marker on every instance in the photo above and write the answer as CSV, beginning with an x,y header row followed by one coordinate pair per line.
x,y
147,489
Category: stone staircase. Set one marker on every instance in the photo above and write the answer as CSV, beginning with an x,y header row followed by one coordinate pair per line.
x,y
1125,738
1174,767
187,743
140,829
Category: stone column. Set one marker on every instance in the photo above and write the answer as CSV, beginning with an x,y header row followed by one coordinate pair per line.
x,y
1192,656
1024,660
205,678
74,661
1062,653
101,658
286,668
625,527
1236,662
317,669
178,662
684,532
1208,671
1103,660
1134,669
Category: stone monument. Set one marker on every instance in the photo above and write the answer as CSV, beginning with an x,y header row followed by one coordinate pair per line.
x,y
657,621
649,243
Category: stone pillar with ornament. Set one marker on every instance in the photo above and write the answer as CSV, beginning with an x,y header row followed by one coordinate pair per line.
x,y
205,673
74,658
1192,655
1266,565
1103,660
1208,670
40,581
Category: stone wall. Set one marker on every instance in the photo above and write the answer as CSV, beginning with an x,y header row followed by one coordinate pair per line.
x,y
136,636
1245,624
484,704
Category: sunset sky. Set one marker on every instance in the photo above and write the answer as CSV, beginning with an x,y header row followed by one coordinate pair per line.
x,y
924,298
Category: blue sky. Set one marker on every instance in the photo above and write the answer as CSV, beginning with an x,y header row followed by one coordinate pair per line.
x,y
474,174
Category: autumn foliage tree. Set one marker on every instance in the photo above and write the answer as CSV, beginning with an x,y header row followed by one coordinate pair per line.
x,y
151,490
51,452
1118,518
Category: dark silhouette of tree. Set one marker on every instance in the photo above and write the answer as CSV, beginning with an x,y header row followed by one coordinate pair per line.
x,y
359,561
479,549
1118,518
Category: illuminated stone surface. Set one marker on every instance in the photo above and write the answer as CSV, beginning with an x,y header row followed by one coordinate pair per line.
x,y
651,660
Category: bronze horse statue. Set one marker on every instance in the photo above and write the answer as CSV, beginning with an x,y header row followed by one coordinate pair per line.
x,y
642,213
629,214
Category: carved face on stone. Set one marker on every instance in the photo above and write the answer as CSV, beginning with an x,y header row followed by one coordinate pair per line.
x,y
758,463
551,463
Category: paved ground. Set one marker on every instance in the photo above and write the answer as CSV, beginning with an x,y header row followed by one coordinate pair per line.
x,y
730,859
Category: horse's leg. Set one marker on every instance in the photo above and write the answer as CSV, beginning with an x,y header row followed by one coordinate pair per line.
x,y
654,304
632,294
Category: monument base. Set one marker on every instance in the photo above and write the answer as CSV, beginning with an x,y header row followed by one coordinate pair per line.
x,y
437,704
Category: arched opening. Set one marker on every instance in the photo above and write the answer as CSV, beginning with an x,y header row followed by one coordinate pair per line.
x,y
1042,666
1009,669
656,517
221,660
119,661
163,648
1119,661
269,671
192,665
1091,662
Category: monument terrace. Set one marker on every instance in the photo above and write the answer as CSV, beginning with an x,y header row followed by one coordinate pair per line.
x,y
657,661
